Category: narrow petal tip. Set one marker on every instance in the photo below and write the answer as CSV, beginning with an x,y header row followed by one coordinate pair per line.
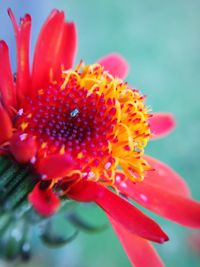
x,y
164,239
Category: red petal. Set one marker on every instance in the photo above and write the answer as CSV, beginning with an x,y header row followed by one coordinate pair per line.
x,y
47,50
166,178
161,124
7,88
115,64
23,147
6,125
22,35
165,203
55,165
68,46
121,211
85,191
140,252
56,46
45,202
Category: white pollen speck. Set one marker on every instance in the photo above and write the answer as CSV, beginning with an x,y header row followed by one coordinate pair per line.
x,y
143,197
123,184
44,176
84,174
91,175
118,178
23,137
107,165
20,112
33,160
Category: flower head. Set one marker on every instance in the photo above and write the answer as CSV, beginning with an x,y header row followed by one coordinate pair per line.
x,y
83,131
91,117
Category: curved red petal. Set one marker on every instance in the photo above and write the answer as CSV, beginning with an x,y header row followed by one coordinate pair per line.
x,y
45,202
48,49
7,88
55,166
139,251
23,147
166,178
115,64
6,125
22,35
85,191
68,46
165,203
161,124
121,211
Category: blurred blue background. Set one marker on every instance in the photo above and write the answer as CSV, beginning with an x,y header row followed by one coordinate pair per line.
x,y
161,41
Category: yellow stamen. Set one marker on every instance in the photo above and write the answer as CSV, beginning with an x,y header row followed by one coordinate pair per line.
x,y
131,133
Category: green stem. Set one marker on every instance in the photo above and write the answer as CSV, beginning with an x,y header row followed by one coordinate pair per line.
x,y
16,182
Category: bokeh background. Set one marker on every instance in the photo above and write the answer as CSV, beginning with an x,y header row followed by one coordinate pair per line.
x,y
161,41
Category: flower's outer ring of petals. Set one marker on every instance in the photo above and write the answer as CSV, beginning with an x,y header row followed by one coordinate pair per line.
x,y
115,64
120,210
7,88
55,166
68,46
48,50
23,147
166,178
45,202
139,251
6,125
161,124
22,35
165,203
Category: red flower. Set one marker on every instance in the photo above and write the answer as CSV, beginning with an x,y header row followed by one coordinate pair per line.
x,y
76,127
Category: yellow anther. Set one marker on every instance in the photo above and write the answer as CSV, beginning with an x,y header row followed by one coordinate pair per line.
x,y
44,144
24,125
40,92
62,150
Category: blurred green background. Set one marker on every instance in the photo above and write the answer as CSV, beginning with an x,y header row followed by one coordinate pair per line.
x,y
161,41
